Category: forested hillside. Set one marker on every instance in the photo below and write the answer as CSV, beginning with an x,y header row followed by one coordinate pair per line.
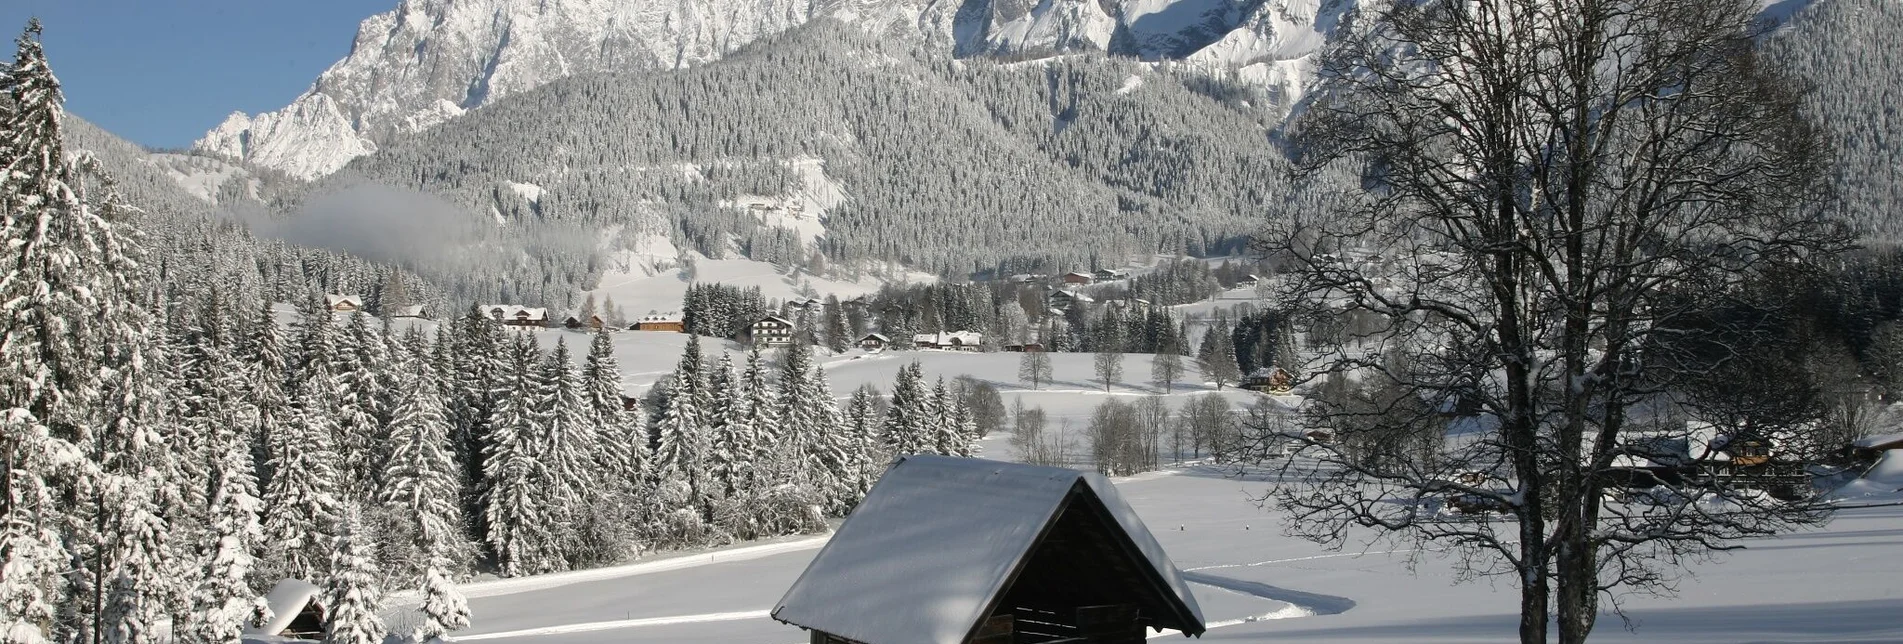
x,y
951,167
1849,51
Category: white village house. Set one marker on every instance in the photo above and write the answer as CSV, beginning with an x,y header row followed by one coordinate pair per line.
x,y
512,315
771,331
948,340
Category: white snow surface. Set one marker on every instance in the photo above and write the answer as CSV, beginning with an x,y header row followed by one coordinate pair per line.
x,y
925,553
1836,584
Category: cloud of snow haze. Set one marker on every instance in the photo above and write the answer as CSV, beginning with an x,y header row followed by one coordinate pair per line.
x,y
380,222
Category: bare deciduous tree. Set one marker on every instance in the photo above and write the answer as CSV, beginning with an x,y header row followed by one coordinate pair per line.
x,y
1564,191
1109,366
1034,367
1153,416
1210,424
1116,439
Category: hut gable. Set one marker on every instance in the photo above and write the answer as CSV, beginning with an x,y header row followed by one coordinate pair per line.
x,y
1055,549
295,611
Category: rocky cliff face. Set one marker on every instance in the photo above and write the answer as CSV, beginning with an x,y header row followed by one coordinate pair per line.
x,y
428,61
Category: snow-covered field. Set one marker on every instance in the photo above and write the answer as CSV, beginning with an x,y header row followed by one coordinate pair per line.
x,y
1843,583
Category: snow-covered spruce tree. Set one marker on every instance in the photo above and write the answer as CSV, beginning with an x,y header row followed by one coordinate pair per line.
x,y
1216,356
905,431
229,545
420,481
622,441
419,485
862,424
513,501
264,354
965,425
303,497
947,438
579,514
730,448
681,504
360,395
835,454
761,417
799,415
226,599
82,405
352,593
833,322
471,389
444,608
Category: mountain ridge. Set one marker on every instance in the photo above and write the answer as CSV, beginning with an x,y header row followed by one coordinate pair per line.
x,y
429,61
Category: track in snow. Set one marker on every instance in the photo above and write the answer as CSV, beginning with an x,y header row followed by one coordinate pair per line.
x,y
541,582
565,629
1309,603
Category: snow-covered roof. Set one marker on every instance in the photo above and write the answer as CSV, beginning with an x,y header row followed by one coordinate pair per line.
x,y
1886,441
286,599
933,546
946,338
775,318
875,336
411,311
334,300
1079,274
661,317
513,312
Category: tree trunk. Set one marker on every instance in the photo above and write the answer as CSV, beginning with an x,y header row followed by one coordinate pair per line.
x,y
1533,605
1575,564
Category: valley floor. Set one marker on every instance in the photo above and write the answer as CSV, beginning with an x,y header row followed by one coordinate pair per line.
x,y
1842,583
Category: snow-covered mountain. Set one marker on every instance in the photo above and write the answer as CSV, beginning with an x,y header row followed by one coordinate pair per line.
x,y
427,61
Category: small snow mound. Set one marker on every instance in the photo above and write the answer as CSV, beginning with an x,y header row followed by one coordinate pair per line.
x,y
1130,84
1885,479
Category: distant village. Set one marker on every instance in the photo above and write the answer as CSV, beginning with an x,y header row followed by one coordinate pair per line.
x,y
1024,312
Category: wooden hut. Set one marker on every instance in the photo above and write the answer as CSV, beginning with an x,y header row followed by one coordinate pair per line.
x,y
296,612
573,323
664,322
1041,554
343,303
413,311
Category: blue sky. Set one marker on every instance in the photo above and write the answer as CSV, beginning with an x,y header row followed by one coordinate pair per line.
x,y
161,72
